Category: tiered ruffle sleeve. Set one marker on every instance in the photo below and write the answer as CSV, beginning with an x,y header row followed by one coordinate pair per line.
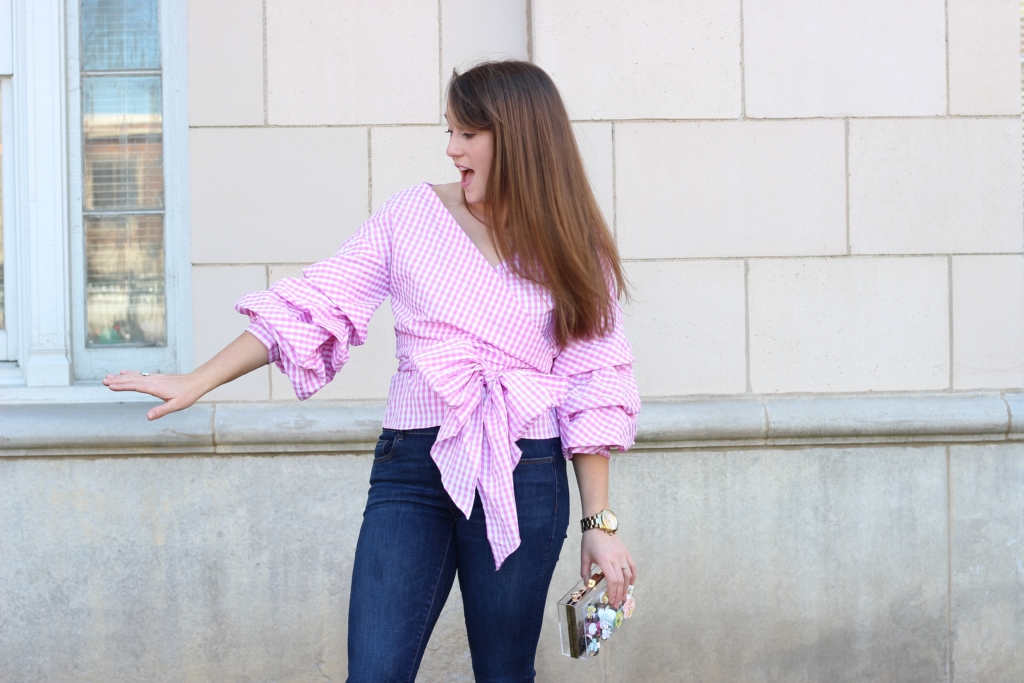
x,y
308,323
600,409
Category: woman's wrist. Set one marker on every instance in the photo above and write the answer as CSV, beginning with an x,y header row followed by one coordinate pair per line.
x,y
201,382
243,355
592,478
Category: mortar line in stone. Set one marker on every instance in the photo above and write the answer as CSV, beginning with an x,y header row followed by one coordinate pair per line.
x,y
270,264
945,13
529,31
997,117
949,294
270,374
1009,414
440,65
743,69
615,193
866,393
949,567
266,115
846,152
369,173
213,426
746,320
804,256
811,445
302,126
767,420
837,117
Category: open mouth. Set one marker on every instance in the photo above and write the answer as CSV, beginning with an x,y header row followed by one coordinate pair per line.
x,y
467,176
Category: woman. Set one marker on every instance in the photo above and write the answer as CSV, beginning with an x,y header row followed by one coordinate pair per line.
x,y
511,355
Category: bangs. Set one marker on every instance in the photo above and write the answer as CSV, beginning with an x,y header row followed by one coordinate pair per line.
x,y
466,102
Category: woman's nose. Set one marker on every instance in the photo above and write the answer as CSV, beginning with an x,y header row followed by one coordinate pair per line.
x,y
453,148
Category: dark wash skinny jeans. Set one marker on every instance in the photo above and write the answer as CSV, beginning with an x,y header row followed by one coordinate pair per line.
x,y
413,541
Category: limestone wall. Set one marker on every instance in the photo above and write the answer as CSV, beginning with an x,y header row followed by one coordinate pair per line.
x,y
835,539
810,197
819,206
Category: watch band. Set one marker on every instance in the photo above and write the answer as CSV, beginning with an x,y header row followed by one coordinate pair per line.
x,y
597,522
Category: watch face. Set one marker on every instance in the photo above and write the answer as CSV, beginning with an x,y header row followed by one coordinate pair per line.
x,y
609,520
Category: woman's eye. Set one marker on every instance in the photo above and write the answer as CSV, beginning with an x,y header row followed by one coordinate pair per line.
x,y
469,136
449,131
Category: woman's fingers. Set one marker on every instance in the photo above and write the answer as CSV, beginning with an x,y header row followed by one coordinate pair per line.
x,y
614,576
610,554
126,380
170,406
624,571
585,562
178,391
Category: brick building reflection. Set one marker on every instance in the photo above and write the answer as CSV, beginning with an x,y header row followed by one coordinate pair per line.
x,y
123,213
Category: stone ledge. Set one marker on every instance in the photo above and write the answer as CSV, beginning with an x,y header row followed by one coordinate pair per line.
x,y
352,427
103,429
828,420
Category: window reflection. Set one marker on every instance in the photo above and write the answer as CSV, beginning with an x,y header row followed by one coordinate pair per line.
x,y
124,258
120,34
122,134
123,193
3,321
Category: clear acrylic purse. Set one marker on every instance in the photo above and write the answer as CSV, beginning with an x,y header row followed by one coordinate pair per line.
x,y
586,619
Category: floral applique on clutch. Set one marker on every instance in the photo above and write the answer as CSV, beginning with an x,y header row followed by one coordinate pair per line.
x,y
586,619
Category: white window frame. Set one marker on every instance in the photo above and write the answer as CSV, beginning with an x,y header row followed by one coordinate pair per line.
x,y
43,208
8,335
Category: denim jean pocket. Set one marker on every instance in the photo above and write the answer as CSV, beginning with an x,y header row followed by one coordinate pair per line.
x,y
387,445
537,451
526,460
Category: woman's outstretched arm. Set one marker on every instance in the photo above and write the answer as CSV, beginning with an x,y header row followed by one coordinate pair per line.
x,y
178,392
605,550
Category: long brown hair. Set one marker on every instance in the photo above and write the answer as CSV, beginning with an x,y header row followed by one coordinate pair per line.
x,y
541,213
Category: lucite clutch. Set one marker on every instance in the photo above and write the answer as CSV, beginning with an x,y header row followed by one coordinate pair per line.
x,y
586,619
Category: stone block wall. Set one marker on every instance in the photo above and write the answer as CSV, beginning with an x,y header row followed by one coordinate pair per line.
x,y
849,540
816,199
844,539
809,197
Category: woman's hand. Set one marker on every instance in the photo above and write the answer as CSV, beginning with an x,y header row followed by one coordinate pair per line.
x,y
177,391
243,355
609,553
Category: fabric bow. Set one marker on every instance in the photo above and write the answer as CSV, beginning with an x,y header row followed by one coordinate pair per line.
x,y
486,412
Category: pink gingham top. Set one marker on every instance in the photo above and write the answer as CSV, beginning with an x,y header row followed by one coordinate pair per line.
x,y
475,346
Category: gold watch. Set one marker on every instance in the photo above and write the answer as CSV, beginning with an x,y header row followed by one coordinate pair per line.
x,y
605,520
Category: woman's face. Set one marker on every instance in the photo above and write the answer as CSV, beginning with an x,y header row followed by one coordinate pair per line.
x,y
472,151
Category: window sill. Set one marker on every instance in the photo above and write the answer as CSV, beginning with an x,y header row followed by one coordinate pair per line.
x,y
13,391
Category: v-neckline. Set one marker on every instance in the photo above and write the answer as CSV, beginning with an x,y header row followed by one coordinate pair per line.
x,y
537,353
497,268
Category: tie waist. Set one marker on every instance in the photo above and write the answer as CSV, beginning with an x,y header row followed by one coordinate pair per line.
x,y
486,412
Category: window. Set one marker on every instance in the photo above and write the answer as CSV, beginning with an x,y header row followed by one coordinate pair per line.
x,y
93,194
3,326
127,212
123,198
6,69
